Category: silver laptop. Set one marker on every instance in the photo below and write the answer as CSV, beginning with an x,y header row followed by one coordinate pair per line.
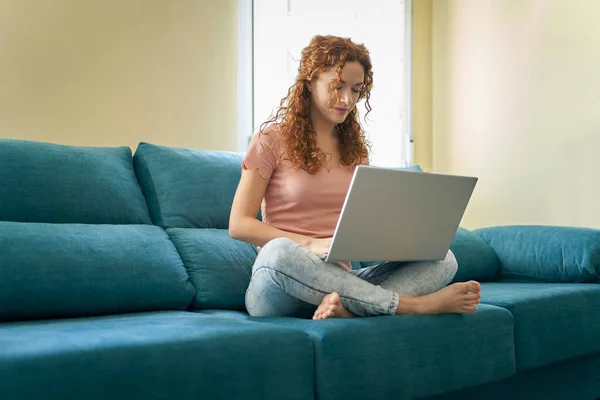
x,y
399,215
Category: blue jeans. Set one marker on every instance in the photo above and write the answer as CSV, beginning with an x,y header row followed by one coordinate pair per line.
x,y
288,280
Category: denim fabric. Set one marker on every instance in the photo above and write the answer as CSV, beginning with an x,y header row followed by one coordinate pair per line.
x,y
188,188
68,270
159,355
404,356
546,253
219,266
44,182
553,321
289,280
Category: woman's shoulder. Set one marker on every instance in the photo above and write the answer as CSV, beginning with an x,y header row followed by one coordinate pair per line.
x,y
271,132
269,136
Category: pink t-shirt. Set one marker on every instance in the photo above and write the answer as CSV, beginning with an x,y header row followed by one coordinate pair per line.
x,y
296,201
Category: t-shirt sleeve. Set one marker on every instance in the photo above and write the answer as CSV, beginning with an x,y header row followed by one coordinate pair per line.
x,y
262,154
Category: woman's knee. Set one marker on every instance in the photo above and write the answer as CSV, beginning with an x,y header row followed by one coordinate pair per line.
x,y
279,245
278,254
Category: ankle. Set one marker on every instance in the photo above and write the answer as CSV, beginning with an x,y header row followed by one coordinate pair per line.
x,y
409,305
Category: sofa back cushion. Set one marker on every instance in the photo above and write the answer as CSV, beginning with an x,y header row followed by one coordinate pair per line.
x,y
44,182
476,260
71,270
188,188
219,266
558,254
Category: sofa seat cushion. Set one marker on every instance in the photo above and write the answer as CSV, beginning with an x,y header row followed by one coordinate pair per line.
x,y
553,321
69,270
404,357
159,355
44,182
575,378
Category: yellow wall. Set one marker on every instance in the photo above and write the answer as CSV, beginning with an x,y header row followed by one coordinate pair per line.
x,y
116,72
516,102
507,90
421,90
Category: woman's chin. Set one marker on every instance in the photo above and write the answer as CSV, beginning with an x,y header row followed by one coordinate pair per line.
x,y
337,119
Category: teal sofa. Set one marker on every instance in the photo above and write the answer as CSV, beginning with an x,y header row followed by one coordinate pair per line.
x,y
118,280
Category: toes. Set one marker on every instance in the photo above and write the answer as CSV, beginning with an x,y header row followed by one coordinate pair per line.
x,y
319,313
469,309
325,314
472,296
473,286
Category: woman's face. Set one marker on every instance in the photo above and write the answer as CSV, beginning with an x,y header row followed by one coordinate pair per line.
x,y
323,104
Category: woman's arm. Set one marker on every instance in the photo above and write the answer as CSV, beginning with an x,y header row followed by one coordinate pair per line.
x,y
243,224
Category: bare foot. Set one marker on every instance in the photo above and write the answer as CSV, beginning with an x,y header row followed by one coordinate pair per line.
x,y
331,307
458,298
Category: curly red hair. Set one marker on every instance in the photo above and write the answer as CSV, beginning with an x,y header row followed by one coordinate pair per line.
x,y
293,113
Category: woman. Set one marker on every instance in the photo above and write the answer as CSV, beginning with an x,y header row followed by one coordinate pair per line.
x,y
298,167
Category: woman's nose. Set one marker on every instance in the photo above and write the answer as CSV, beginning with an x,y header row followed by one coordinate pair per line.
x,y
345,97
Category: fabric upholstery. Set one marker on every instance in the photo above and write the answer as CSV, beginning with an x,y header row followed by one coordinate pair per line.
x,y
44,182
219,266
553,322
67,270
576,378
404,357
476,260
188,188
160,355
546,253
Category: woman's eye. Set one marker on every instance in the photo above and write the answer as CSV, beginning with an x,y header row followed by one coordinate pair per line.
x,y
356,90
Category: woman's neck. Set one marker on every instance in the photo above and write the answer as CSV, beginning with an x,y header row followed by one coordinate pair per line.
x,y
323,128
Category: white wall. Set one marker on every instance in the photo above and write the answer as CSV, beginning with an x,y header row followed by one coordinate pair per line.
x,y
114,72
516,102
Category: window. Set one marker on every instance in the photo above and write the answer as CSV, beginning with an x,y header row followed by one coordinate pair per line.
x,y
281,28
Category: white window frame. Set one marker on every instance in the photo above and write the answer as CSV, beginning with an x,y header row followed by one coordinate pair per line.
x,y
245,101
245,74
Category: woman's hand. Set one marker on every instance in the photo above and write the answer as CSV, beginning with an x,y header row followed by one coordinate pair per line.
x,y
319,246
342,266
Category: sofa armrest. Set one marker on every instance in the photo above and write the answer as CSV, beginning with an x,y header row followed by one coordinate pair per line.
x,y
545,253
